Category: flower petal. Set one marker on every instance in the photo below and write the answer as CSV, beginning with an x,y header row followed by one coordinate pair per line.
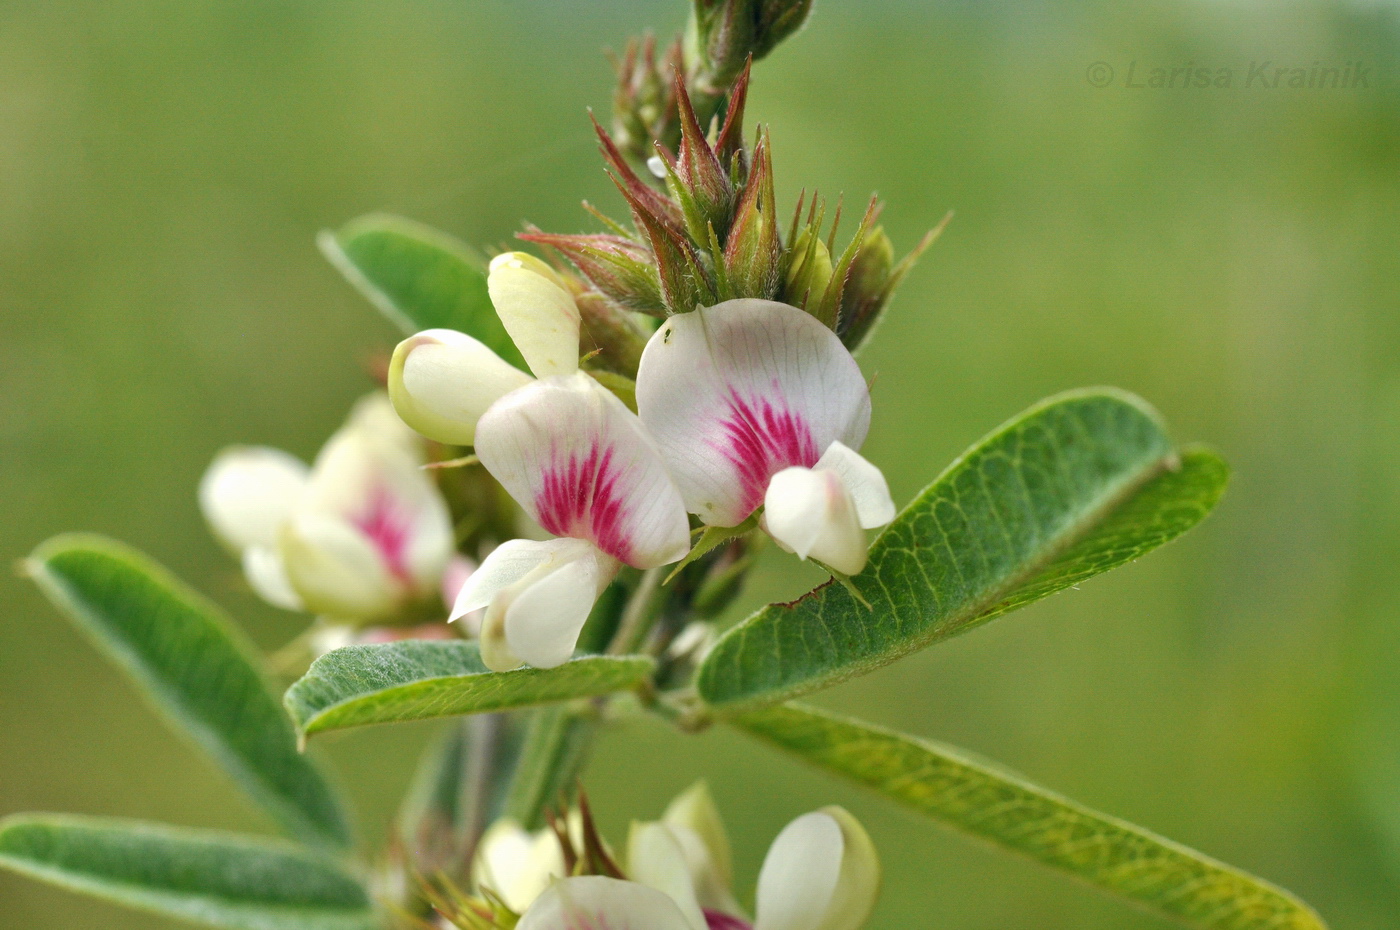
x,y
262,566
581,465
871,494
537,597
516,864
655,858
810,512
543,619
369,476
442,381
737,392
248,492
859,883
799,876
508,563
699,828
538,312
335,569
593,902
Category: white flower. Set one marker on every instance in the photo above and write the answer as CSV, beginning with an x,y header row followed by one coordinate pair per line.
x,y
570,453
755,403
580,464
821,873
357,537
515,864
442,381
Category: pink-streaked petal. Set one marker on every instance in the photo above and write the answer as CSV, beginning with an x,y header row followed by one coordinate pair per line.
x,y
718,920
810,512
369,476
581,465
593,902
866,483
737,392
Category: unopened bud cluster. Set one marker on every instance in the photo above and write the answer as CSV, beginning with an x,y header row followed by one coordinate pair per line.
x,y
707,230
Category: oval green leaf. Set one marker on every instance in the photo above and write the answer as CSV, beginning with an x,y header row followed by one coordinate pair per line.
x,y
981,799
1076,485
419,278
421,679
205,877
197,670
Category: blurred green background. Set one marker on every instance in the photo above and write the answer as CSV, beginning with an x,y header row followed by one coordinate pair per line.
x,y
1231,255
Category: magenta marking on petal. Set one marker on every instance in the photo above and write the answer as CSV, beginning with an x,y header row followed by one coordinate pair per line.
x,y
760,440
717,920
580,498
388,527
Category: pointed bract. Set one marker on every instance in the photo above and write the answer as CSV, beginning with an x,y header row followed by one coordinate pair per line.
x,y
754,250
621,268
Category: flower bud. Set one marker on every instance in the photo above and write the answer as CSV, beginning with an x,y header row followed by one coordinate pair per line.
x,y
537,311
697,179
620,268
644,103
723,34
821,873
810,272
696,824
442,381
515,864
867,286
753,252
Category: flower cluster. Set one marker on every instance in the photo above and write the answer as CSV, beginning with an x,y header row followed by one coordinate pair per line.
x,y
361,536
821,873
745,407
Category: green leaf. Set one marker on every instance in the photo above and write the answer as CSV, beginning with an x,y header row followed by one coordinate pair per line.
x,y
419,679
210,878
1076,485
197,670
419,278
992,804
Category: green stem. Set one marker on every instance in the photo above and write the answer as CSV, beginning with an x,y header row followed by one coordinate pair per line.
x,y
641,612
555,749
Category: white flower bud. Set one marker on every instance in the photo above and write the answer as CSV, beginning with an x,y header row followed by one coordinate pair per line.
x,y
442,381
821,873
